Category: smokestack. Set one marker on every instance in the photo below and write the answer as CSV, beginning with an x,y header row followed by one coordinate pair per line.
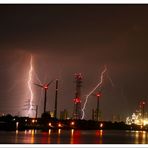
x,y
56,97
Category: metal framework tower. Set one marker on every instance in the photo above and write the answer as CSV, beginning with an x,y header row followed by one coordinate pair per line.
x,y
77,99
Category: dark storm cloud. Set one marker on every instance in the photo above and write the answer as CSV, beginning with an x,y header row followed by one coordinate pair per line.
x,y
65,39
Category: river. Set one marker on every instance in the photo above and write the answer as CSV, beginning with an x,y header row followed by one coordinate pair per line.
x,y
74,137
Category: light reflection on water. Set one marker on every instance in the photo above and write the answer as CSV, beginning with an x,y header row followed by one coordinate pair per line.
x,y
58,139
99,134
75,137
32,136
141,136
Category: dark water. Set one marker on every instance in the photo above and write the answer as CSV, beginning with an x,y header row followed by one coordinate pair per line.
x,y
74,137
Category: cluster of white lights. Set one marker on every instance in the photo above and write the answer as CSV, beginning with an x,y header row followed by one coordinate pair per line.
x,y
137,119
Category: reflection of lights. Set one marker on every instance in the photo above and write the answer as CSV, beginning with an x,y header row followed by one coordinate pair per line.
x,y
71,137
140,137
25,132
17,123
101,125
59,131
144,132
16,132
72,131
136,137
144,137
32,136
29,131
32,132
99,132
49,131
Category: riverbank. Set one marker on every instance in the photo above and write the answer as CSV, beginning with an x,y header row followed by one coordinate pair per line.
x,y
25,123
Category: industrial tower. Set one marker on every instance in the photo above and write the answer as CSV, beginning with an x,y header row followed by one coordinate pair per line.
x,y
96,112
56,99
98,106
142,107
77,99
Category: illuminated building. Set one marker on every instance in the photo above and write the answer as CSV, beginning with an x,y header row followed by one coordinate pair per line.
x,y
51,114
139,117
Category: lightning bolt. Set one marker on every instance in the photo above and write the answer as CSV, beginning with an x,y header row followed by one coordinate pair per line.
x,y
99,84
29,86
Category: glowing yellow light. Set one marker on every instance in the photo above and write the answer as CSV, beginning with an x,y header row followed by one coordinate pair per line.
x,y
59,131
72,131
49,124
32,132
49,131
72,123
145,122
32,136
16,132
17,124
101,125
101,132
33,121
59,125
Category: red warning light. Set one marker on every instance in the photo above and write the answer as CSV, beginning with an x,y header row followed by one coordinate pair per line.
x,y
78,76
77,100
45,86
143,103
98,94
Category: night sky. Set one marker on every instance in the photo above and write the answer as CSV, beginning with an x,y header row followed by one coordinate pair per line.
x,y
68,39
